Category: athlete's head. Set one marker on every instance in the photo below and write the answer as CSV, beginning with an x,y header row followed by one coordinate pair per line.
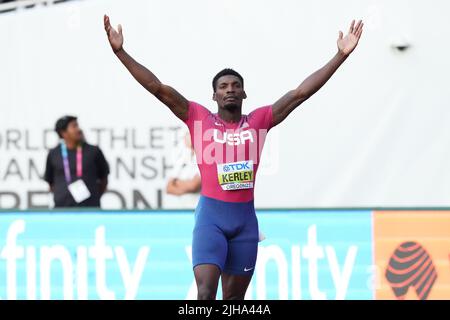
x,y
68,129
228,86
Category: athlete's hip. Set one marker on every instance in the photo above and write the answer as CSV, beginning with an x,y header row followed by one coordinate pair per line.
x,y
227,216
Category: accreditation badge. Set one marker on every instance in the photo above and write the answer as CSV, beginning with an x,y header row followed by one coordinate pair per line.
x,y
236,175
79,191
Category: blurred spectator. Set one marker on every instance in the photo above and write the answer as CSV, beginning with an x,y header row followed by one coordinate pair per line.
x,y
184,180
76,171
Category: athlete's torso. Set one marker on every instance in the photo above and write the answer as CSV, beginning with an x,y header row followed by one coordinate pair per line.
x,y
228,154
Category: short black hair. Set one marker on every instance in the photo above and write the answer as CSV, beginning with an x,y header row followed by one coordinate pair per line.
x,y
62,124
226,72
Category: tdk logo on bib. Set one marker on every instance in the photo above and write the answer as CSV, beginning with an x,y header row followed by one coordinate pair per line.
x,y
233,139
236,175
236,166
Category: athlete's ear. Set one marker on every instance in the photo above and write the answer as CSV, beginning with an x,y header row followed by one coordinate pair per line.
x,y
214,97
245,95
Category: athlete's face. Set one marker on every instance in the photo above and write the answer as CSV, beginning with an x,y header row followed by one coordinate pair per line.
x,y
229,92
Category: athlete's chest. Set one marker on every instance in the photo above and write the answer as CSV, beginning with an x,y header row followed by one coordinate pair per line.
x,y
219,132
226,151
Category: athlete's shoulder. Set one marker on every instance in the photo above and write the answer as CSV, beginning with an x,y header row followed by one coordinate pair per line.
x,y
196,111
261,110
197,106
261,117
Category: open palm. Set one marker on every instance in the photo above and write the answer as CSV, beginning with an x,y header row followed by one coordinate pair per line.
x,y
348,43
115,37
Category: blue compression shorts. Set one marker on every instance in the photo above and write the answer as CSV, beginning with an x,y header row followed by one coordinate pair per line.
x,y
225,234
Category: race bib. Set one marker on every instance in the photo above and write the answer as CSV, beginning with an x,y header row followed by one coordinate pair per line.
x,y
79,191
236,175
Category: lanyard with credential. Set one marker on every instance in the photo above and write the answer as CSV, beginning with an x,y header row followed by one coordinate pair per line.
x,y
79,162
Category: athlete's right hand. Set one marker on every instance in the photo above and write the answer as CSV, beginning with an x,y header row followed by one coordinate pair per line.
x,y
115,37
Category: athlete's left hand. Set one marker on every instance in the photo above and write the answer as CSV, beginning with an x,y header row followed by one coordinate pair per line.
x,y
347,44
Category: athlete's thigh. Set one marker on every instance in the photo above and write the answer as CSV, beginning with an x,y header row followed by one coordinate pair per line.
x,y
235,286
207,278
241,257
239,268
243,248
209,246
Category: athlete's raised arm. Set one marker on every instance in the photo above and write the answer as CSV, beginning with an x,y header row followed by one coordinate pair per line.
x,y
286,104
166,94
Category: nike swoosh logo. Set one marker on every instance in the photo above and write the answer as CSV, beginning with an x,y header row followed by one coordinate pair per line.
x,y
245,269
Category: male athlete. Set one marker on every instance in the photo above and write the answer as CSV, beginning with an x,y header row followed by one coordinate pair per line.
x,y
228,145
